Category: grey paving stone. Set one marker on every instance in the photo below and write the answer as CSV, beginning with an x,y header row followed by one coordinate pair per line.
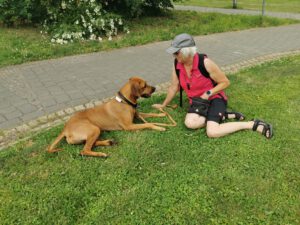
x,y
8,110
55,90
27,108
11,123
2,119
54,108
62,98
14,114
74,95
48,102
33,115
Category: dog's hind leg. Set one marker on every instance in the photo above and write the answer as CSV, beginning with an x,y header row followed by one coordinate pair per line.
x,y
90,142
104,143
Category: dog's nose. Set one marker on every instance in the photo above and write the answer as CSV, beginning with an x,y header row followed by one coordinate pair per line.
x,y
153,89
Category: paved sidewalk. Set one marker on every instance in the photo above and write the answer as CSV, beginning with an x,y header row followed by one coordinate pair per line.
x,y
31,90
239,11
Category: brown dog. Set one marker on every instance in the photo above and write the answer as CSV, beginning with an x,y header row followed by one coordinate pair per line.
x,y
116,114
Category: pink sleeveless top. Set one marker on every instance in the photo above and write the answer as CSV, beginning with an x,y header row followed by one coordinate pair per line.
x,y
198,83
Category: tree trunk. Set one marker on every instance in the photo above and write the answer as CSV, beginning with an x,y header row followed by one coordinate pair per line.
x,y
234,4
263,7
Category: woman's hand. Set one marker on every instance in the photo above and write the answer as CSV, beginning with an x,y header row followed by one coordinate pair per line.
x,y
158,106
204,96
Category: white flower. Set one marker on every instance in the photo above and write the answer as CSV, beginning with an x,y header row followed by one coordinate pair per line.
x,y
127,32
76,22
100,39
110,38
93,37
120,22
63,5
90,29
82,18
96,9
102,22
52,40
59,41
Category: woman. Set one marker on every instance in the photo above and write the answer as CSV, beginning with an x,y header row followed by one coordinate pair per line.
x,y
209,90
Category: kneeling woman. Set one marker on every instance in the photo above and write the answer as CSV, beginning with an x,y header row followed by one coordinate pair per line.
x,y
201,89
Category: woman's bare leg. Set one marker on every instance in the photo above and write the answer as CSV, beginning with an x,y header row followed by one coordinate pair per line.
x,y
214,129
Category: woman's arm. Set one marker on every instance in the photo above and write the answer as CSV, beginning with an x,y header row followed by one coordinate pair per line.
x,y
217,75
171,91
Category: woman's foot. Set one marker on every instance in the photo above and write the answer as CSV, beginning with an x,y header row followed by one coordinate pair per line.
x,y
234,115
264,128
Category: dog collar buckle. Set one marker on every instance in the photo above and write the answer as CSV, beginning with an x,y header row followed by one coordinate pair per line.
x,y
118,99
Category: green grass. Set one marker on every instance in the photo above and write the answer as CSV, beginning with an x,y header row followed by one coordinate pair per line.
x,y
174,177
27,44
292,6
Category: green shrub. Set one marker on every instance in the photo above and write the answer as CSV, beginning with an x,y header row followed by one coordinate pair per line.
x,y
69,20
136,8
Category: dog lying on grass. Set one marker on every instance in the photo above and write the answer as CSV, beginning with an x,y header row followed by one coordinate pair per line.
x,y
116,114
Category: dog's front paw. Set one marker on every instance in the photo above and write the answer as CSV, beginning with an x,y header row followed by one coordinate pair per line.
x,y
160,128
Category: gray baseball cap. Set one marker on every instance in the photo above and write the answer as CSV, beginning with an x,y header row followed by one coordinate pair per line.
x,y
181,41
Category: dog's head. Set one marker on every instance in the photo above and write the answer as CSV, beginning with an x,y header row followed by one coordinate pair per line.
x,y
140,88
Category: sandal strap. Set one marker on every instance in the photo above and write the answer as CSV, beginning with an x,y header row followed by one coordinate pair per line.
x,y
265,129
237,115
255,125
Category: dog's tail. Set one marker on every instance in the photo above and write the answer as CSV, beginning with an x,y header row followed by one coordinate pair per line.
x,y
51,148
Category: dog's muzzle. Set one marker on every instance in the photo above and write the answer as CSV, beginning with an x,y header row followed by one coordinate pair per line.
x,y
147,95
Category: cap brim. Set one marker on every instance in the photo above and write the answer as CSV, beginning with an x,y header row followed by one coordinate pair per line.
x,y
172,50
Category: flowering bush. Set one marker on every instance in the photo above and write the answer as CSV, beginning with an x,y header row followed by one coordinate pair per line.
x,y
70,20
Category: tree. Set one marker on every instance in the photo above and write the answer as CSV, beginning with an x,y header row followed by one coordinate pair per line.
x,y
234,4
263,7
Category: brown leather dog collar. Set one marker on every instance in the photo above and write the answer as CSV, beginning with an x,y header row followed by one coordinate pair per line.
x,y
126,100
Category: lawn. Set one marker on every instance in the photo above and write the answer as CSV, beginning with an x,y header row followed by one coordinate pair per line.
x,y
174,177
28,44
292,6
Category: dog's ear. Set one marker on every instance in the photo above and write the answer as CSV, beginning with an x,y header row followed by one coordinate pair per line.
x,y
135,88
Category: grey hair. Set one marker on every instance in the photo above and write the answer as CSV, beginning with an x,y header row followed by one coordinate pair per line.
x,y
188,51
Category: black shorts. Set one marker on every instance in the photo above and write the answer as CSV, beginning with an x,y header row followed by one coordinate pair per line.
x,y
216,110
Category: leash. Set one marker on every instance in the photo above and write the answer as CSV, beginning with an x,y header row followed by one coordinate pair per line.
x,y
173,122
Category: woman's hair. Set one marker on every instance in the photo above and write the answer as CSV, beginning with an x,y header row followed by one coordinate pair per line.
x,y
188,51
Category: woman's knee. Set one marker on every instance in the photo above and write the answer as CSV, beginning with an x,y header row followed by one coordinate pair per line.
x,y
194,122
212,132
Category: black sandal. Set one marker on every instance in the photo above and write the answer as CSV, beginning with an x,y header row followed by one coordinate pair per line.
x,y
267,127
238,116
